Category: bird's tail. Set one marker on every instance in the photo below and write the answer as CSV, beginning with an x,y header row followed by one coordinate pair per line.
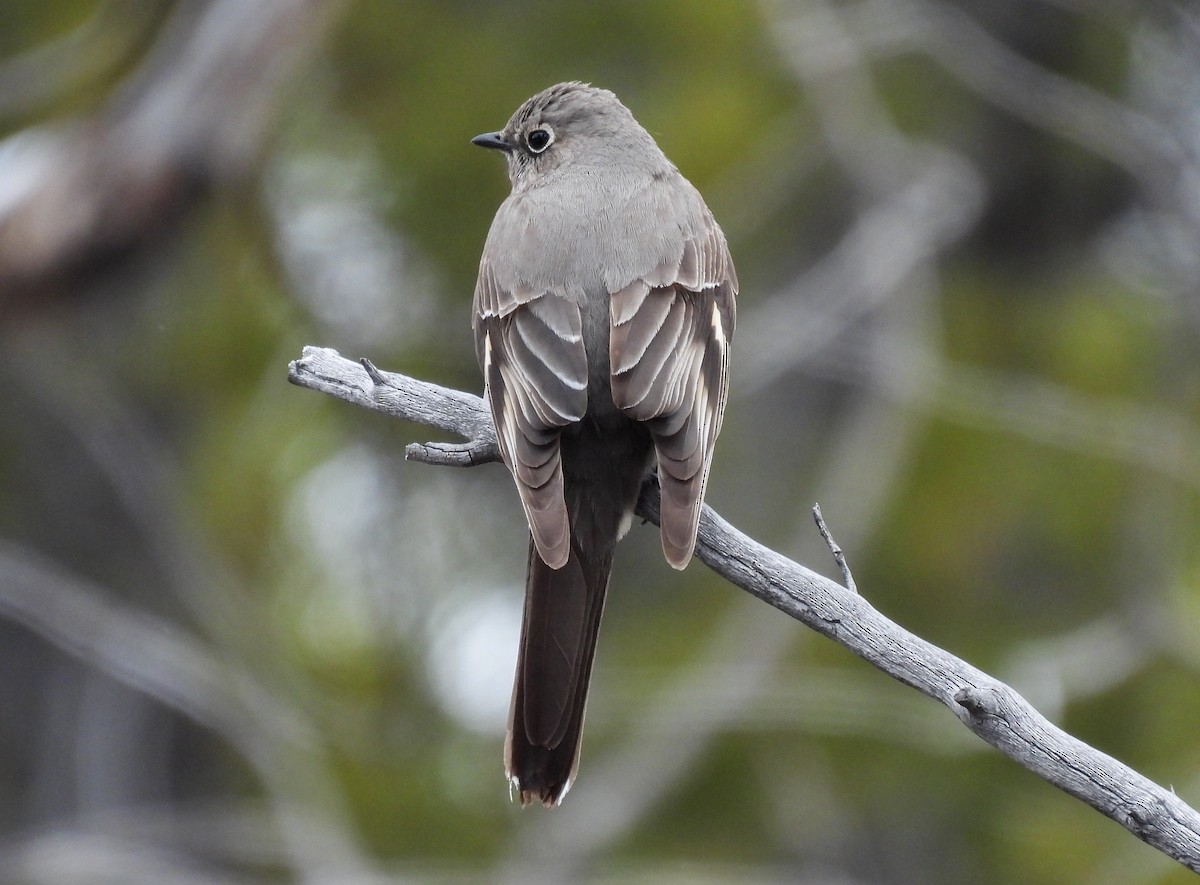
x,y
558,643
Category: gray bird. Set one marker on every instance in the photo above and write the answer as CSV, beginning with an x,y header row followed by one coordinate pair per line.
x,y
603,315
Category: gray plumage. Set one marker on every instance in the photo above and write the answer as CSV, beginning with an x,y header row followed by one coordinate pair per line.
x,y
603,315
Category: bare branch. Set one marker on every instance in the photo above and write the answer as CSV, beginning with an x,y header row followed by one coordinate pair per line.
x,y
463,414
988,707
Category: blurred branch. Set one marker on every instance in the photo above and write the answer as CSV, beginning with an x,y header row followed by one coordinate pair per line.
x,y
52,69
1058,104
1142,434
988,707
151,842
926,200
135,648
892,240
158,659
194,113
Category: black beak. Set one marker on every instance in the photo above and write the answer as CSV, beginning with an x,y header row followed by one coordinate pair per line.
x,y
492,140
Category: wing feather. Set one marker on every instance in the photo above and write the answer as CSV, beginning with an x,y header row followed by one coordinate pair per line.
x,y
530,345
669,353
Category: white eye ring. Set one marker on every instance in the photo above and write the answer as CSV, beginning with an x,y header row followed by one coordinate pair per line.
x,y
539,139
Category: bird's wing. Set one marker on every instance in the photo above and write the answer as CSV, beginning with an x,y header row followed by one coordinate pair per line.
x,y
530,345
669,352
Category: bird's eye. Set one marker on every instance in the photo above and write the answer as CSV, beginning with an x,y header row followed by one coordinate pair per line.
x,y
539,139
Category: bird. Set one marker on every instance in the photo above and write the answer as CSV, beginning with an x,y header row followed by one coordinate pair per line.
x,y
603,315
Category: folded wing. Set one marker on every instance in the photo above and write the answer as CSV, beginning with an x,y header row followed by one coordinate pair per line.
x,y
530,345
669,355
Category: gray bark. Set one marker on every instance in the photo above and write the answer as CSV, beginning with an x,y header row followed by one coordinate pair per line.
x,y
988,707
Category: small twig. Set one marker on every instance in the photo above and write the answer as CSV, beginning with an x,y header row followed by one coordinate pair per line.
x,y
480,450
377,377
838,556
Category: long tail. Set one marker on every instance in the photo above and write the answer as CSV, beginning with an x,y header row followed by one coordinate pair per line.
x,y
558,643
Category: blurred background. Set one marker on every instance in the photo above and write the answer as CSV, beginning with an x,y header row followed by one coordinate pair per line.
x,y
241,640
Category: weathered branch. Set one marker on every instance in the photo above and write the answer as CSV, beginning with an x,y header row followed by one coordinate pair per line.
x,y
988,707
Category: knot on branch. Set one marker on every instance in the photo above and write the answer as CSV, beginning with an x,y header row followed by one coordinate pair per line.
x,y
1144,816
979,706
